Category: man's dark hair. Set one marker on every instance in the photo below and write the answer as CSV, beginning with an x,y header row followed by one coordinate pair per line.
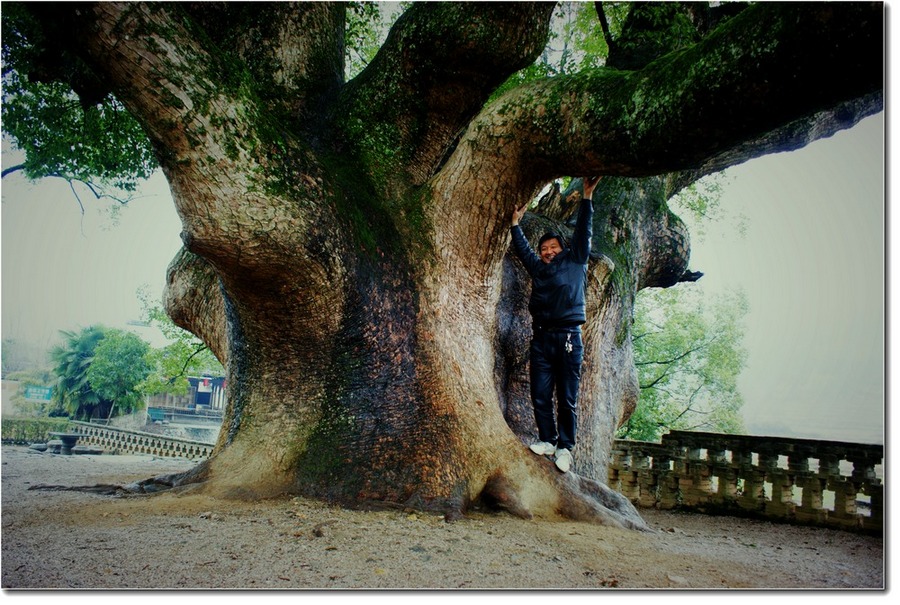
x,y
549,236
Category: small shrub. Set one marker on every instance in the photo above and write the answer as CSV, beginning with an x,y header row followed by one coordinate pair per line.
x,y
24,431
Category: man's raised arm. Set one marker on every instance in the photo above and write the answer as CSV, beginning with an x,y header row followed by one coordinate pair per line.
x,y
520,245
584,226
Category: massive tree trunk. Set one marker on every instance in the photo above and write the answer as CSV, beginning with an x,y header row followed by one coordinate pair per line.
x,y
345,243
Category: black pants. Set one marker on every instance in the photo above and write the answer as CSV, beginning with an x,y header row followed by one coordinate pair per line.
x,y
556,357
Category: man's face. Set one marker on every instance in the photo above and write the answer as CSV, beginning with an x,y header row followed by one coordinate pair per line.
x,y
549,250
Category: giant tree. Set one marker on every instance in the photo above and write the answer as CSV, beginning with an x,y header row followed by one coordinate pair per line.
x,y
345,241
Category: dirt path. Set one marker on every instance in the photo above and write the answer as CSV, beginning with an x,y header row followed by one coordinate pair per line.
x,y
63,539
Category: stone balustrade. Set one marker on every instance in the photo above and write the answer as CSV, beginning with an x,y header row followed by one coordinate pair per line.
x,y
115,440
783,479
823,483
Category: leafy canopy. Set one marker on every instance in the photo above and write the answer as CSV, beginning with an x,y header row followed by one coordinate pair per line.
x,y
87,138
98,372
118,367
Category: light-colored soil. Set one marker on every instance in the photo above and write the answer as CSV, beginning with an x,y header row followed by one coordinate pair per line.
x,y
67,539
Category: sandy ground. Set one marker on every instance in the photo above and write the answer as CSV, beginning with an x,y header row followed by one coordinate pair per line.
x,y
66,539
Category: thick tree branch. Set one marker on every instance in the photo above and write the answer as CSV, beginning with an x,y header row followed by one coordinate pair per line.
x,y
197,350
421,101
293,50
671,360
230,161
155,67
690,403
776,67
655,381
768,69
604,25
12,169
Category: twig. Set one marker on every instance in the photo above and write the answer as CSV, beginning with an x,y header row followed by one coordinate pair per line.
x,y
12,169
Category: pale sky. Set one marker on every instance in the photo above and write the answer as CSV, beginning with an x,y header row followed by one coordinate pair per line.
x,y
812,265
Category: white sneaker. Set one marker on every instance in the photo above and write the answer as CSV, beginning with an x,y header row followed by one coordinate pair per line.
x,y
563,460
542,448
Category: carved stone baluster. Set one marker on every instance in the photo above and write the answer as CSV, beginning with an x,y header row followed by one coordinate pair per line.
x,y
845,504
754,496
629,481
811,507
781,505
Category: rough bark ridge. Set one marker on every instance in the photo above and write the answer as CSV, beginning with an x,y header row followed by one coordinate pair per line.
x,y
345,242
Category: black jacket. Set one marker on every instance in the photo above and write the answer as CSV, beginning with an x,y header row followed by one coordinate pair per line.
x,y
557,290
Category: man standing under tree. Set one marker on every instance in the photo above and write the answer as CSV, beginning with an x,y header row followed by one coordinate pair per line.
x,y
558,275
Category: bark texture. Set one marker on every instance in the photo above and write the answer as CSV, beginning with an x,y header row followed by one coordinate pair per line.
x,y
346,242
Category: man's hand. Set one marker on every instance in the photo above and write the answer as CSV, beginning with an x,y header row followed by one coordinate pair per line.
x,y
588,183
518,213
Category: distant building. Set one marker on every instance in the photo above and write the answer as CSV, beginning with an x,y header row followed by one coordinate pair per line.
x,y
206,393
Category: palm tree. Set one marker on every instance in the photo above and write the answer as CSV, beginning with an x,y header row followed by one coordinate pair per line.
x,y
71,361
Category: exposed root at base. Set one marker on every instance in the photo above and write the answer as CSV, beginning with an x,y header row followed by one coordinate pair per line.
x,y
153,485
578,499
590,500
500,492
100,488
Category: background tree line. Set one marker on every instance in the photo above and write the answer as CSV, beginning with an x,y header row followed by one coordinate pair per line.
x,y
98,372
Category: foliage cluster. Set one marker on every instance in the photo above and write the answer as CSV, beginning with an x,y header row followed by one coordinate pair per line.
x,y
118,367
699,203
184,356
98,371
576,43
688,354
63,134
105,372
367,23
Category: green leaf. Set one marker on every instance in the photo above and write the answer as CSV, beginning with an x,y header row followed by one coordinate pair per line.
x,y
92,140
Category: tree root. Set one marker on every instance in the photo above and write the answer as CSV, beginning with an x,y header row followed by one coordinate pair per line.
x,y
591,500
103,489
578,499
153,485
499,491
